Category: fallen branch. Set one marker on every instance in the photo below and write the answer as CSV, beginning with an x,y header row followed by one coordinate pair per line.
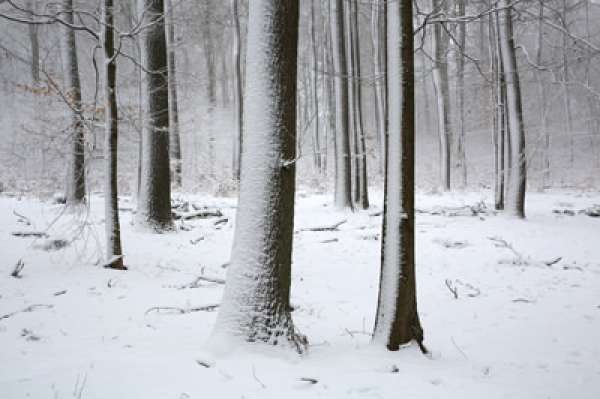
x,y
205,214
25,234
325,228
176,310
23,219
30,308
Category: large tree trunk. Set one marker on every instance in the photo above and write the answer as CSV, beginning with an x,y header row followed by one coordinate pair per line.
x,y
343,175
238,105
174,139
255,304
397,320
515,193
75,178
114,251
154,205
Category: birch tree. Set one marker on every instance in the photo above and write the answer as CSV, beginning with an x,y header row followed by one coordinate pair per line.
x,y
397,319
154,203
255,305
75,176
113,230
515,190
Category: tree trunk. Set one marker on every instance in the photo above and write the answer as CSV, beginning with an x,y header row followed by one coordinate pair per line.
x,y
460,93
75,179
515,195
211,96
255,304
174,139
35,47
154,205
343,182
397,320
378,17
361,196
316,139
114,251
238,106
440,80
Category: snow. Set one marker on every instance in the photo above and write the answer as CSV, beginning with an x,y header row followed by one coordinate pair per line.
x,y
519,328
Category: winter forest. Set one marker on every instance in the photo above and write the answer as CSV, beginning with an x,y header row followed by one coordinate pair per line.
x,y
299,199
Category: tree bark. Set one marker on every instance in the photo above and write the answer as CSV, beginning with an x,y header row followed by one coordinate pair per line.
x,y
515,194
174,138
397,319
114,251
343,175
238,105
75,178
255,304
154,205
440,80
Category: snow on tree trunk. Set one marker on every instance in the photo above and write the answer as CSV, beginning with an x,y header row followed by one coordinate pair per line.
x,y
75,178
515,193
397,321
111,208
174,140
343,182
255,305
154,203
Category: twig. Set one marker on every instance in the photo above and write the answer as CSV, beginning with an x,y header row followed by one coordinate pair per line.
x,y
172,309
25,234
197,240
460,350
256,378
500,243
325,228
453,290
18,267
27,309
553,262
308,379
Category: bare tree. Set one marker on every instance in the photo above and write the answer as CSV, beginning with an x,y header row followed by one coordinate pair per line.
x,y
174,139
154,203
75,178
515,190
113,230
255,304
397,320
343,174
238,103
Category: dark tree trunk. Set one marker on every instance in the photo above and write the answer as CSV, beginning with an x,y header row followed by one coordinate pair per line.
x,y
154,205
114,251
397,320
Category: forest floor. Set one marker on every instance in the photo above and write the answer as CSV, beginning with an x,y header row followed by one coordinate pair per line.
x,y
510,308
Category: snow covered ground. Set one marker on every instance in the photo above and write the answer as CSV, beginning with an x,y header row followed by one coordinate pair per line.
x,y
510,308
